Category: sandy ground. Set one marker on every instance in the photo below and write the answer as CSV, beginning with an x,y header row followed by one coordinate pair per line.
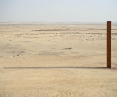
x,y
56,60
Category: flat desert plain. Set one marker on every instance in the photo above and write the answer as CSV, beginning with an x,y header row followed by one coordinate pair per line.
x,y
56,60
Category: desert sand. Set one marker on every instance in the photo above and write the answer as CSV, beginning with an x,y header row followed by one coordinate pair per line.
x,y
56,60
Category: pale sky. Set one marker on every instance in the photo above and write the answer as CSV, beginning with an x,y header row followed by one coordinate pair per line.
x,y
58,10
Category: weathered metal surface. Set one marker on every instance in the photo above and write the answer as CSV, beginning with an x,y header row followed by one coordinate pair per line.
x,y
108,44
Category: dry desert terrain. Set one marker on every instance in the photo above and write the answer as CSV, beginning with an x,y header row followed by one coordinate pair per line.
x,y
56,60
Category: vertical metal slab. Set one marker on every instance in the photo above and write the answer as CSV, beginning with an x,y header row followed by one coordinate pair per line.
x,y
108,44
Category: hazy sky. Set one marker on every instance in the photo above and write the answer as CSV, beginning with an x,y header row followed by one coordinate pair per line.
x,y
58,10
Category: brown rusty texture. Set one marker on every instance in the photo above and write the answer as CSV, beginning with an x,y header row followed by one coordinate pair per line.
x,y
108,44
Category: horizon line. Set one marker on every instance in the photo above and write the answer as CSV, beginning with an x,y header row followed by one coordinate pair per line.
x,y
57,22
